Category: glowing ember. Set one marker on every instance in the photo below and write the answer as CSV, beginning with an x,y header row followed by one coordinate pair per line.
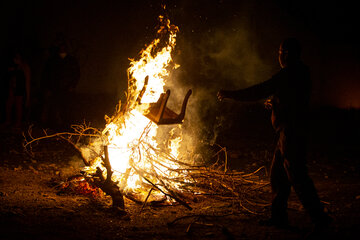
x,y
130,136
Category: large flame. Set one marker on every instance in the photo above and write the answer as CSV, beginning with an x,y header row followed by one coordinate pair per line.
x,y
130,136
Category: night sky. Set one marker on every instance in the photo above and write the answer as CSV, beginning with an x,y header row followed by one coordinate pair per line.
x,y
225,44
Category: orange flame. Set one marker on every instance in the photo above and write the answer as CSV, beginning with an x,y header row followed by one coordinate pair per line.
x,y
131,137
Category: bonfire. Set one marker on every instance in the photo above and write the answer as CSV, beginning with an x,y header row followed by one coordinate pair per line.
x,y
128,158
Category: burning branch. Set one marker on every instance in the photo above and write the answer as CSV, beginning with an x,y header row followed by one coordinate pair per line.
x,y
108,186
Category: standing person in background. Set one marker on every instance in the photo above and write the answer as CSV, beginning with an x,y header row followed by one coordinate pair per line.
x,y
18,81
61,76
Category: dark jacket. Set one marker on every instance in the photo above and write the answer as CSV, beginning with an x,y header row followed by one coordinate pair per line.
x,y
61,74
290,89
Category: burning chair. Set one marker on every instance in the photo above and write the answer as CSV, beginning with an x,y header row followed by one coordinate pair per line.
x,y
159,113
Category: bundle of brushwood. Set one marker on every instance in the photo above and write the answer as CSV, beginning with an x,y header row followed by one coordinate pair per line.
x,y
191,183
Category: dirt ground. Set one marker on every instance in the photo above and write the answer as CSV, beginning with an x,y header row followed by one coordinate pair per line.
x,y
31,206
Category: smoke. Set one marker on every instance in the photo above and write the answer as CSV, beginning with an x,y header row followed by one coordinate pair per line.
x,y
224,58
230,56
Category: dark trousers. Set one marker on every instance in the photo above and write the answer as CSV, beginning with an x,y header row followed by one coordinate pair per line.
x,y
56,109
289,169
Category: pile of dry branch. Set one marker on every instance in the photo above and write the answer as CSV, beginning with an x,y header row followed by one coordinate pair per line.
x,y
214,181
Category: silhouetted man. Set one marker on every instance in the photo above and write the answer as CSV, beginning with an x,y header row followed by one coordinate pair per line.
x,y
290,89
61,75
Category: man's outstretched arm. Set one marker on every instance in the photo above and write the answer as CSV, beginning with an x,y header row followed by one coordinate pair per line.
x,y
253,93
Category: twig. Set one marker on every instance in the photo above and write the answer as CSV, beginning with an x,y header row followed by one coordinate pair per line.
x,y
166,194
147,197
107,164
198,216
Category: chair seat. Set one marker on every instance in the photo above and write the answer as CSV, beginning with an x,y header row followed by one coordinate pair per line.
x,y
159,113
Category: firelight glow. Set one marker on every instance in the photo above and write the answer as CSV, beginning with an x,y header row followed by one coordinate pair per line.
x,y
130,136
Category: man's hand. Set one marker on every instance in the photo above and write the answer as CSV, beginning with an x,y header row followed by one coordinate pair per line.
x,y
222,94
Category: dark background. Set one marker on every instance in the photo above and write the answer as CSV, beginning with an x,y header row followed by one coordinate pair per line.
x,y
240,39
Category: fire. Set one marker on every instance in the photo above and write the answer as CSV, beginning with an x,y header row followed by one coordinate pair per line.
x,y
130,136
